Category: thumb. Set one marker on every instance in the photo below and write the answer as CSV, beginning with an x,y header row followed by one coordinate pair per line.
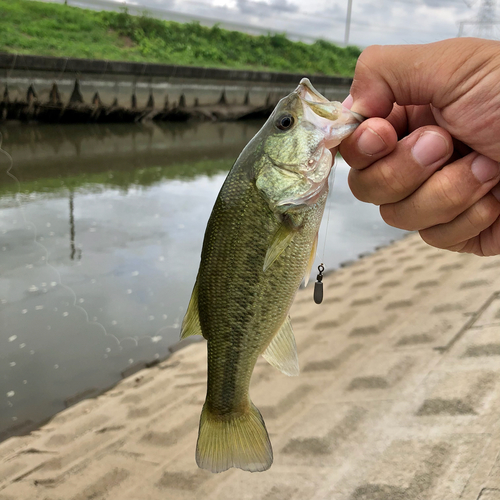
x,y
437,73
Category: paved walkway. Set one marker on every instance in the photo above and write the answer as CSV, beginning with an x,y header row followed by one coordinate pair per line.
x,y
398,399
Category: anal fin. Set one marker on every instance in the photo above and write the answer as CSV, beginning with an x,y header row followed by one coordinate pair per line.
x,y
282,351
191,321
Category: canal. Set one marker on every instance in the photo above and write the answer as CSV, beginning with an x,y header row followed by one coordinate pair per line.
x,y
100,235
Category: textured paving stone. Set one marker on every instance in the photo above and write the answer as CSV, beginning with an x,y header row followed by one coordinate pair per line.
x,y
489,494
398,399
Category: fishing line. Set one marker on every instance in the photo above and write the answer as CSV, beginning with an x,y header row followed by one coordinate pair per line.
x,y
318,286
328,209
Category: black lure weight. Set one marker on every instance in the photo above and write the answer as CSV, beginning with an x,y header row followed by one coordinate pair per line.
x,y
318,286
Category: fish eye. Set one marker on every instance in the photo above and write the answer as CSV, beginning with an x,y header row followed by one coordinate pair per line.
x,y
285,122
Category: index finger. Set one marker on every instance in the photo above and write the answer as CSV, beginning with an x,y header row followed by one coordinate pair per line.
x,y
414,74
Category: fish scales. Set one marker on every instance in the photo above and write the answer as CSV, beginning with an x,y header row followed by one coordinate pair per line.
x,y
236,315
259,243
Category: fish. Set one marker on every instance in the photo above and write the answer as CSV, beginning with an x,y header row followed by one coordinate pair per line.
x,y
260,242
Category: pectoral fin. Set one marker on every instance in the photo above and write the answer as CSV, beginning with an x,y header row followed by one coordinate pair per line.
x,y
191,321
280,241
307,274
282,351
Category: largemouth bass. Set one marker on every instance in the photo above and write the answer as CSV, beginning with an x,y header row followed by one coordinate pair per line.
x,y
259,244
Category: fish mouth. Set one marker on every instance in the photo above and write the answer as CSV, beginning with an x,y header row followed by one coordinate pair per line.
x,y
307,92
335,120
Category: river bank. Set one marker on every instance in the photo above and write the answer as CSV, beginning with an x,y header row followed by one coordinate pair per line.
x,y
110,32
68,90
397,398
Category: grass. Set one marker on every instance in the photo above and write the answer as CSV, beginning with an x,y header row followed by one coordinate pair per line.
x,y
37,28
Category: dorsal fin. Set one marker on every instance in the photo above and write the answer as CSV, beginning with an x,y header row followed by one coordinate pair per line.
x,y
191,321
282,351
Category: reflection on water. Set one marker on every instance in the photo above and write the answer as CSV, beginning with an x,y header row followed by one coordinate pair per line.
x,y
100,236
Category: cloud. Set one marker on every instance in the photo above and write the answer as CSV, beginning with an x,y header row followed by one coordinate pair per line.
x,y
452,4
263,9
147,4
373,22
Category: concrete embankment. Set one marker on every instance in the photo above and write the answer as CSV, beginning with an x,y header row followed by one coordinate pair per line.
x,y
53,89
398,399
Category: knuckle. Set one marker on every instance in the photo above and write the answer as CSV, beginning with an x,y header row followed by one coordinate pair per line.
x,y
434,237
483,213
364,59
389,214
390,184
357,186
366,67
447,192
370,54
431,237
400,215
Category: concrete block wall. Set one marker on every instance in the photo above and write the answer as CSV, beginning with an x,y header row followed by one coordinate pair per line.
x,y
120,80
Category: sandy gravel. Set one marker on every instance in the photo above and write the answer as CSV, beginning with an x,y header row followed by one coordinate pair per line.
x,y
398,399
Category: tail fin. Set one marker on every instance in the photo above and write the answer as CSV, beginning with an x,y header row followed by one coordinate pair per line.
x,y
240,442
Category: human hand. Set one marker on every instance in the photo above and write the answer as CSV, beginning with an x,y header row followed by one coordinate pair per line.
x,y
431,161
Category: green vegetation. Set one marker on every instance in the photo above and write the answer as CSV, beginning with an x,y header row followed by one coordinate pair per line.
x,y
30,27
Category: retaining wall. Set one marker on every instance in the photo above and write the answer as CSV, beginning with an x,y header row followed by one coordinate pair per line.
x,y
145,86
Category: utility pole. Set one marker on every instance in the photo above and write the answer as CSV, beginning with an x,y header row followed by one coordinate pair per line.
x,y
485,24
348,22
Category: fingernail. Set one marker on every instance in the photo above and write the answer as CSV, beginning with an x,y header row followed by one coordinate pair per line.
x,y
370,143
348,102
484,168
429,148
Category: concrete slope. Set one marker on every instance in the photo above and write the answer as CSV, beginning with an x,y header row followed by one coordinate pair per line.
x,y
398,399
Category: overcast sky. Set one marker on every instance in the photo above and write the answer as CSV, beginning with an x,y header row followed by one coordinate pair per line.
x,y
373,21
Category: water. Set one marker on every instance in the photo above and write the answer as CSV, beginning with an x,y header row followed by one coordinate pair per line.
x,y
100,235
